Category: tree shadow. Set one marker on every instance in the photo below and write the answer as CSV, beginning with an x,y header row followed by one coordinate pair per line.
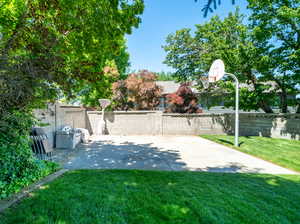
x,y
249,124
109,154
106,154
229,142
230,168
226,121
291,127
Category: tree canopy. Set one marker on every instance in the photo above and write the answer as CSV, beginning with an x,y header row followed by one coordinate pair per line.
x,y
138,91
165,76
87,93
276,30
235,43
54,44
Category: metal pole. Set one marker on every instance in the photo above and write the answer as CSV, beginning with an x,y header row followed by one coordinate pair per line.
x,y
236,131
102,117
102,123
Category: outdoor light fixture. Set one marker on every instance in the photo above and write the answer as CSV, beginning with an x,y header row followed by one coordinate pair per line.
x,y
216,72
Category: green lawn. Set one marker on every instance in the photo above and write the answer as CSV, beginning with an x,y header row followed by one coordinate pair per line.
x,y
143,197
283,152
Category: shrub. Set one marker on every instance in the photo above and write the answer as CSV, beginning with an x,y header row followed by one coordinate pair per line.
x,y
183,101
18,166
139,92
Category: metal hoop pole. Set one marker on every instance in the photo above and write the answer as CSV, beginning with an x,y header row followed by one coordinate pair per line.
x,y
102,115
236,131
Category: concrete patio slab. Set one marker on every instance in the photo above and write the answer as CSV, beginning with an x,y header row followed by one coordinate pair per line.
x,y
163,153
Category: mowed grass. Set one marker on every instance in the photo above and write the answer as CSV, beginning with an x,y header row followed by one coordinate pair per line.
x,y
283,152
131,196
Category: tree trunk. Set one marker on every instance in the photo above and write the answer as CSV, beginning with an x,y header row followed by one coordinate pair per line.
x,y
298,109
283,96
265,107
283,102
262,104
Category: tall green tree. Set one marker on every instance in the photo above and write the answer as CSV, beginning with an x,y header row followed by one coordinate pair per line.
x,y
228,39
88,93
48,47
53,44
165,76
276,30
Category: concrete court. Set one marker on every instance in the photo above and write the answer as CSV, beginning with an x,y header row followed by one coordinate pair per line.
x,y
163,153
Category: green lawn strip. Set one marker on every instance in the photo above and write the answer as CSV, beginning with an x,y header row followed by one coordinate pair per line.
x,y
283,152
131,196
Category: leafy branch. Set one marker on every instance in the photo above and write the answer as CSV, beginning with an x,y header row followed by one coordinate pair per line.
x,y
211,5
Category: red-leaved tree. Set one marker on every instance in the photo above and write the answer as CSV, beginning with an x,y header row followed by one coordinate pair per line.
x,y
183,101
138,92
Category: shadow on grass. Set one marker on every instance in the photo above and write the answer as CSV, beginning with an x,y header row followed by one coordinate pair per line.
x,y
229,142
135,196
231,168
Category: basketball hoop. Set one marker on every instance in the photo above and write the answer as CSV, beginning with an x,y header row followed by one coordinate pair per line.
x,y
216,71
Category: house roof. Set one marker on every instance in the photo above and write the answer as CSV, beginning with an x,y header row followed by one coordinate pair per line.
x,y
272,86
168,86
171,86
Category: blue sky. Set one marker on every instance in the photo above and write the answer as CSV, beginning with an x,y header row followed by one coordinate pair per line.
x,y
162,17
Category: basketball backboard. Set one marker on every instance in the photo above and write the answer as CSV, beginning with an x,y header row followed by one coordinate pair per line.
x,y
216,71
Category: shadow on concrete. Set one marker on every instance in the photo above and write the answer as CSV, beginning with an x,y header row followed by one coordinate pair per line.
x,y
107,154
230,168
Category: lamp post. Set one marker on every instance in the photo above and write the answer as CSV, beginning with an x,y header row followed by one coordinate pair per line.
x,y
216,72
103,103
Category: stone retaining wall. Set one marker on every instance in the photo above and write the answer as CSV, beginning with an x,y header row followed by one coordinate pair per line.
x,y
158,123
191,124
270,125
57,116
126,123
